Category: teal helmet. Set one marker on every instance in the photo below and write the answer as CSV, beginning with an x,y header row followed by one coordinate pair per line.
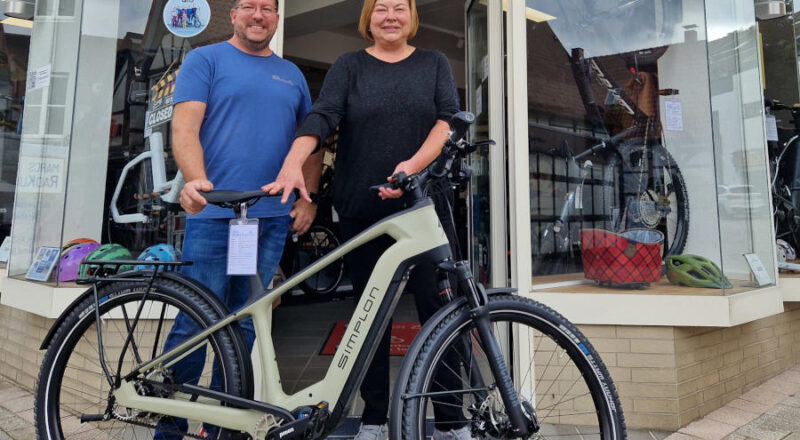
x,y
106,252
695,271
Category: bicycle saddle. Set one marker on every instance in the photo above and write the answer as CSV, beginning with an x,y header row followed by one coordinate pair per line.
x,y
226,198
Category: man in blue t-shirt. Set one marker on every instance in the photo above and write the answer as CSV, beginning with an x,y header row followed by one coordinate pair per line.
x,y
237,105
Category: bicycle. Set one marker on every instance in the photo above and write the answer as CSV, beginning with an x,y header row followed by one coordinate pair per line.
x,y
641,185
783,186
484,340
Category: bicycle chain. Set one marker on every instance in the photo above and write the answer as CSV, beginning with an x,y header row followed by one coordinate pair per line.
x,y
162,429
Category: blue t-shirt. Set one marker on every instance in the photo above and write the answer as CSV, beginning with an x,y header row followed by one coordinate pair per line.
x,y
253,106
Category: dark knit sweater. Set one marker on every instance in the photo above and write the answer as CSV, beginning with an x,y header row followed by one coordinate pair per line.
x,y
384,112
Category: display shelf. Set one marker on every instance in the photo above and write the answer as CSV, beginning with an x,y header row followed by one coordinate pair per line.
x,y
577,283
43,299
790,284
610,307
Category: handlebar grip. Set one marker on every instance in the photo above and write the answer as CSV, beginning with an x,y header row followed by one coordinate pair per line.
x,y
376,188
459,124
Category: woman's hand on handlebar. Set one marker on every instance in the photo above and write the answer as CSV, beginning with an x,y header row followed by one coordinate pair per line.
x,y
390,193
191,199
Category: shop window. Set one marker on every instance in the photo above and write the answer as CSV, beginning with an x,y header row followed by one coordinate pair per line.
x,y
644,118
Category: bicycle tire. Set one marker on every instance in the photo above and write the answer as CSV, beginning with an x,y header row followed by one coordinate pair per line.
x,y
71,381
312,246
651,176
577,361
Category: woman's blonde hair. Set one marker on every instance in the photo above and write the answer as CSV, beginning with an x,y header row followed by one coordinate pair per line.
x,y
366,14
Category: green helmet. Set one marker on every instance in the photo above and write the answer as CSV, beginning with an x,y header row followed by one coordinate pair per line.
x,y
695,271
106,252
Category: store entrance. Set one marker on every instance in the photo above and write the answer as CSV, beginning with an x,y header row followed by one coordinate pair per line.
x,y
308,323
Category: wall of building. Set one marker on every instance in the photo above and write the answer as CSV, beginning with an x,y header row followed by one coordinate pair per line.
x,y
669,376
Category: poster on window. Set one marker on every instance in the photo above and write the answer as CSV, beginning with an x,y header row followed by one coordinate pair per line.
x,y
159,107
186,18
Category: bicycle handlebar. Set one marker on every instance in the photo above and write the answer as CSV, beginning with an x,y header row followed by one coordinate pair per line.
x,y
612,141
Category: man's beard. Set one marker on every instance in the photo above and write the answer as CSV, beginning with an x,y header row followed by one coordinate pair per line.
x,y
253,45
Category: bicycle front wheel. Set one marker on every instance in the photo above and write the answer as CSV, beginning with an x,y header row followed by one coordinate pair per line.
x,y
72,383
556,373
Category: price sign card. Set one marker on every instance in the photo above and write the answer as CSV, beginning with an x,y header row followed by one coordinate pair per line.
x,y
760,273
243,247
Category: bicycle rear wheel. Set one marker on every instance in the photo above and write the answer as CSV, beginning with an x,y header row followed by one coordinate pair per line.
x,y
72,382
312,246
553,366
652,192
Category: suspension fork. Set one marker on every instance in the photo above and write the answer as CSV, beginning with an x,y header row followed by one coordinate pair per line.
x,y
479,312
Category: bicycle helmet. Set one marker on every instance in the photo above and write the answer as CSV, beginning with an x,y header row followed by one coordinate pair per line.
x,y
158,252
106,252
695,271
785,251
75,241
71,260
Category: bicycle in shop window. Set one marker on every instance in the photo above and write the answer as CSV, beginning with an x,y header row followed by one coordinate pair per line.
x,y
784,186
514,367
633,181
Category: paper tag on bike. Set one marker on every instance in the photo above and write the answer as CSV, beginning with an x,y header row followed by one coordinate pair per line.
x,y
772,128
579,197
243,247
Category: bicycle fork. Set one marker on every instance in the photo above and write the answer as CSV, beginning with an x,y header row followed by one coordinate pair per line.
x,y
523,420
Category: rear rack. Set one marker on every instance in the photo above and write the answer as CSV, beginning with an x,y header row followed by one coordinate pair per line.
x,y
107,270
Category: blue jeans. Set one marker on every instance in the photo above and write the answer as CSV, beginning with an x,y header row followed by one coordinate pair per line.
x,y
206,245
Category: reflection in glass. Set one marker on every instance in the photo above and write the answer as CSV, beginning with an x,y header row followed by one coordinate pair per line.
x,y
621,134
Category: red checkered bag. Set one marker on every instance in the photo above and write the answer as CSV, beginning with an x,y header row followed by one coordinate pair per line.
x,y
633,256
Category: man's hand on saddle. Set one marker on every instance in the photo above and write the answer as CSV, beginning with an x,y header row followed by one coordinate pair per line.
x,y
190,199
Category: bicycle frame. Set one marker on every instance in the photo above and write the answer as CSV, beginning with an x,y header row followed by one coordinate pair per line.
x,y
418,234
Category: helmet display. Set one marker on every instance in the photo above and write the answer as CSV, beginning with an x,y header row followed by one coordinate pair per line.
x,y
106,252
695,271
158,252
71,260
76,241
785,251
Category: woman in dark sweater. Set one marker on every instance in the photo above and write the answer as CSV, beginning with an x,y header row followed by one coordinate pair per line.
x,y
391,103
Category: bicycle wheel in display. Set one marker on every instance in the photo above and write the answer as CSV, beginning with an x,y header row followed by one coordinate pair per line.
x,y
652,192
312,246
72,382
556,372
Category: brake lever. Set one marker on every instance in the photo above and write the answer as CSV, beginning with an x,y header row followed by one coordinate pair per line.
x,y
470,148
399,180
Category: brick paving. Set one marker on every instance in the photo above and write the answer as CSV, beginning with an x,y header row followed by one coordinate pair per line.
x,y
770,411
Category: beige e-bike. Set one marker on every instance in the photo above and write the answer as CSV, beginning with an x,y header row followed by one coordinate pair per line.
x,y
513,367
